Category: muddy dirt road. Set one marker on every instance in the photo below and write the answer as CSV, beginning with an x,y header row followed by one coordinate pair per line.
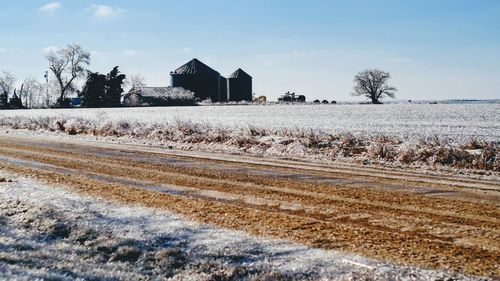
x,y
428,220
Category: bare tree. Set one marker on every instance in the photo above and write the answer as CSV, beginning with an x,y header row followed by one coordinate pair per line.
x,y
7,82
136,81
50,94
31,93
7,85
67,65
373,84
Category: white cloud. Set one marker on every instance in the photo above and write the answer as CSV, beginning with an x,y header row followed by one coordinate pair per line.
x,y
130,53
50,49
3,50
105,12
50,7
187,49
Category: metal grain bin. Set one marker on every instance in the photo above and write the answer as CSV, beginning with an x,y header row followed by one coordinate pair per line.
x,y
223,89
198,78
240,86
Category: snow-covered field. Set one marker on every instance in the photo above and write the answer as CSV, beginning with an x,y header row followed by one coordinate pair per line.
x,y
465,136
49,233
459,122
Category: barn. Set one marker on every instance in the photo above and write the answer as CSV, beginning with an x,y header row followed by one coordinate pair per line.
x,y
200,79
240,86
158,96
144,96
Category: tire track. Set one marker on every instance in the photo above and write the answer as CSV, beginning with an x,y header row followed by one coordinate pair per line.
x,y
397,225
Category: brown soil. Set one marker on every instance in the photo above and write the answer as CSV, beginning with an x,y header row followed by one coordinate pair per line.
x,y
431,221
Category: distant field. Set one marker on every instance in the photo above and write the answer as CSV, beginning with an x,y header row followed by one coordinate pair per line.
x,y
455,121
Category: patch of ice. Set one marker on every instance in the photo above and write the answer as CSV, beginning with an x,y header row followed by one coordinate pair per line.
x,y
50,233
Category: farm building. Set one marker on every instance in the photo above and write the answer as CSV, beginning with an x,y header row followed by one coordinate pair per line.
x,y
144,96
198,78
158,96
240,86
223,89
206,82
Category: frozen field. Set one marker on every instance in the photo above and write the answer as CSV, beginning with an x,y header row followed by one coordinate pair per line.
x,y
458,136
459,122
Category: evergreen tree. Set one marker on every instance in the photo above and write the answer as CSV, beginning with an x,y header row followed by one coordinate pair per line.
x,y
15,102
103,90
94,92
114,90
4,100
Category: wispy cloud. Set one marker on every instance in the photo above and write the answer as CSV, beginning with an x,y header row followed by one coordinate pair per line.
x,y
50,7
105,11
3,50
50,49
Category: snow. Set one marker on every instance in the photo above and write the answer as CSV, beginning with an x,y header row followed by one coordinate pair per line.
x,y
456,121
48,232
455,137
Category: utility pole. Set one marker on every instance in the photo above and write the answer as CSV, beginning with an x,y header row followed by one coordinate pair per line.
x,y
47,86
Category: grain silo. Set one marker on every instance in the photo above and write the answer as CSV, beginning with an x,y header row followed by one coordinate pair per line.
x,y
198,78
240,86
223,89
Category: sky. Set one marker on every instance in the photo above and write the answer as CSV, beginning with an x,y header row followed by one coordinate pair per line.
x,y
446,49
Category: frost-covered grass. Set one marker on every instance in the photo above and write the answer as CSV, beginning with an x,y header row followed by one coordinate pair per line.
x,y
456,122
47,233
473,153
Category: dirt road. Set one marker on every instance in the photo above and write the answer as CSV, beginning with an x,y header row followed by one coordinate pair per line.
x,y
428,220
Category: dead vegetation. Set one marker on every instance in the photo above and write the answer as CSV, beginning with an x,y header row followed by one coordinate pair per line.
x,y
288,143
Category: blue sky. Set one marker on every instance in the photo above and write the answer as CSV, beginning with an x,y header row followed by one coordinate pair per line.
x,y
434,49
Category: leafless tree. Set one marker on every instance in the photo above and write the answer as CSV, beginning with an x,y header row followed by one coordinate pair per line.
x,y
67,65
373,84
50,93
136,81
132,99
31,93
7,82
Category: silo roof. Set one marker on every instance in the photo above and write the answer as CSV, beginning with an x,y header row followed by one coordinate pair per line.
x,y
194,66
239,73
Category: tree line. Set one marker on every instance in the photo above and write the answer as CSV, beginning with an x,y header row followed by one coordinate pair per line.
x,y
69,65
66,66
30,93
